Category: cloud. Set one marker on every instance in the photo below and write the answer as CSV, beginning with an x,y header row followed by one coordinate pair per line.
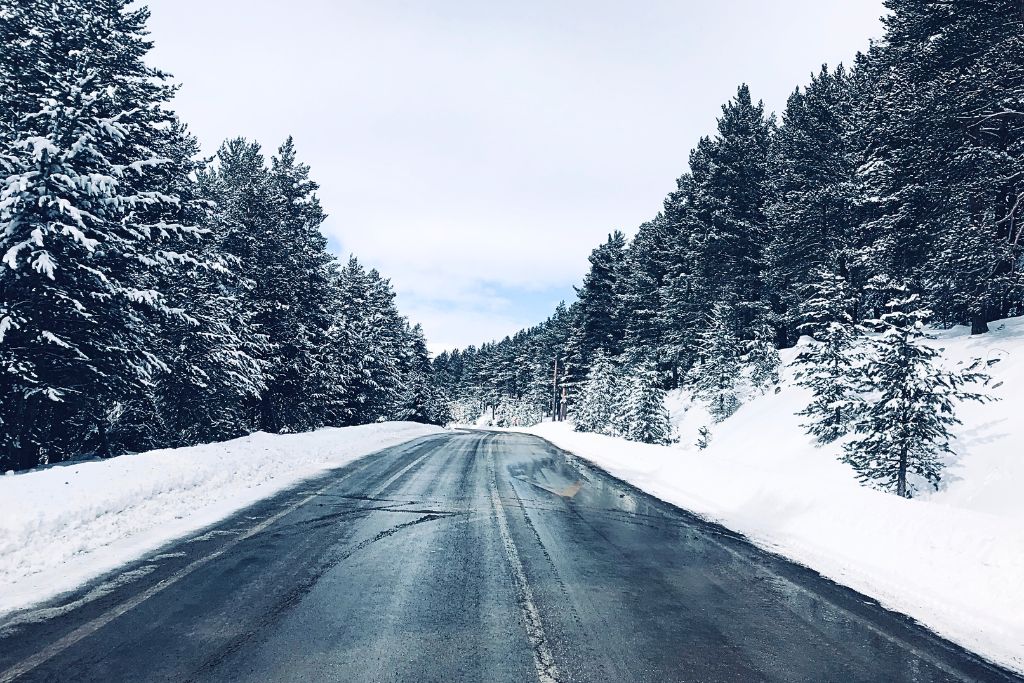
x,y
476,152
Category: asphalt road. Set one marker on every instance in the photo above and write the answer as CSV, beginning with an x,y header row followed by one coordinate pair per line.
x,y
470,557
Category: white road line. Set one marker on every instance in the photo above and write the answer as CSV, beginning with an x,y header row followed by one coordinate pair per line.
x,y
543,661
384,487
87,629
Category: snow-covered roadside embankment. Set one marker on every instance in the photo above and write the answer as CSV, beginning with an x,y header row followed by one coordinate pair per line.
x,y
64,525
952,559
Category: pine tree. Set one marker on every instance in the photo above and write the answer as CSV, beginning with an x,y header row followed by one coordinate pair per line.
x,y
941,132
830,366
419,400
308,391
600,321
645,272
713,378
703,438
728,193
911,400
643,416
376,336
684,295
762,357
271,228
83,121
214,371
812,211
598,405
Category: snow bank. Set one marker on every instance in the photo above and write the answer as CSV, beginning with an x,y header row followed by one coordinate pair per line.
x,y
64,525
952,559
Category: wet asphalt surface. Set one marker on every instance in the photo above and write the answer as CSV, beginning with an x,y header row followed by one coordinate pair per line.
x,y
470,556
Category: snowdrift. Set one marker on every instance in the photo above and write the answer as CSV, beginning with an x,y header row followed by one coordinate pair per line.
x,y
953,559
64,525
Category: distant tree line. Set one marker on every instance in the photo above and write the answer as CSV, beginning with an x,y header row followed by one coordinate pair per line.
x,y
890,195
149,297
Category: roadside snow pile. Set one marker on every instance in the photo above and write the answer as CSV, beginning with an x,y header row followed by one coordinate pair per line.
x,y
64,525
952,559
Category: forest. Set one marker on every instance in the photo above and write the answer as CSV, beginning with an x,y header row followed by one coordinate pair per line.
x,y
153,297
887,199
150,297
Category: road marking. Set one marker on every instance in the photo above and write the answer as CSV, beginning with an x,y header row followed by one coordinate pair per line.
x,y
543,661
384,487
91,627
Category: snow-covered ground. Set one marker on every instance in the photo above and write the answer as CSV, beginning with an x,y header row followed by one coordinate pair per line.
x,y
952,559
64,525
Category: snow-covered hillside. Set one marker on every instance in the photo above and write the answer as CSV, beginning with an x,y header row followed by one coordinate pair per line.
x,y
64,525
952,559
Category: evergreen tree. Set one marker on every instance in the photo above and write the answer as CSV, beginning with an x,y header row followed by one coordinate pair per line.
x,y
598,405
684,295
272,220
214,371
713,378
600,323
645,273
420,400
812,212
911,400
728,192
83,121
941,132
308,391
830,366
643,415
376,334
762,357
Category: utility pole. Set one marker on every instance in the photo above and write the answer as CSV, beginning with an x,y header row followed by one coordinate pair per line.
x,y
554,393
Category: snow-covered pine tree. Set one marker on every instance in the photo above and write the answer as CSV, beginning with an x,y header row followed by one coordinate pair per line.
x,y
713,378
648,261
309,391
831,365
703,438
727,195
271,222
762,357
214,372
600,321
532,406
419,399
911,401
941,128
684,295
376,333
642,415
599,402
83,116
812,208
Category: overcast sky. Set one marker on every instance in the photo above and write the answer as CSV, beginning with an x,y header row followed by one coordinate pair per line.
x,y
476,151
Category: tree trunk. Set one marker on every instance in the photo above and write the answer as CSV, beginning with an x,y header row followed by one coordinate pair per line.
x,y
104,442
901,477
268,417
979,325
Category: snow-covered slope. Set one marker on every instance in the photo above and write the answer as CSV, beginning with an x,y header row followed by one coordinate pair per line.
x,y
64,525
952,559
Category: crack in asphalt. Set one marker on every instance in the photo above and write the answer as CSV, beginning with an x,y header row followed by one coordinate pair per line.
x,y
295,595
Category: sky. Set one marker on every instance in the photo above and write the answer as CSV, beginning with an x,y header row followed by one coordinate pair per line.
x,y
476,152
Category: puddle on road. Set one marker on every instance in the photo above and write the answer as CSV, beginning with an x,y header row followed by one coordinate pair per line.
x,y
559,477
